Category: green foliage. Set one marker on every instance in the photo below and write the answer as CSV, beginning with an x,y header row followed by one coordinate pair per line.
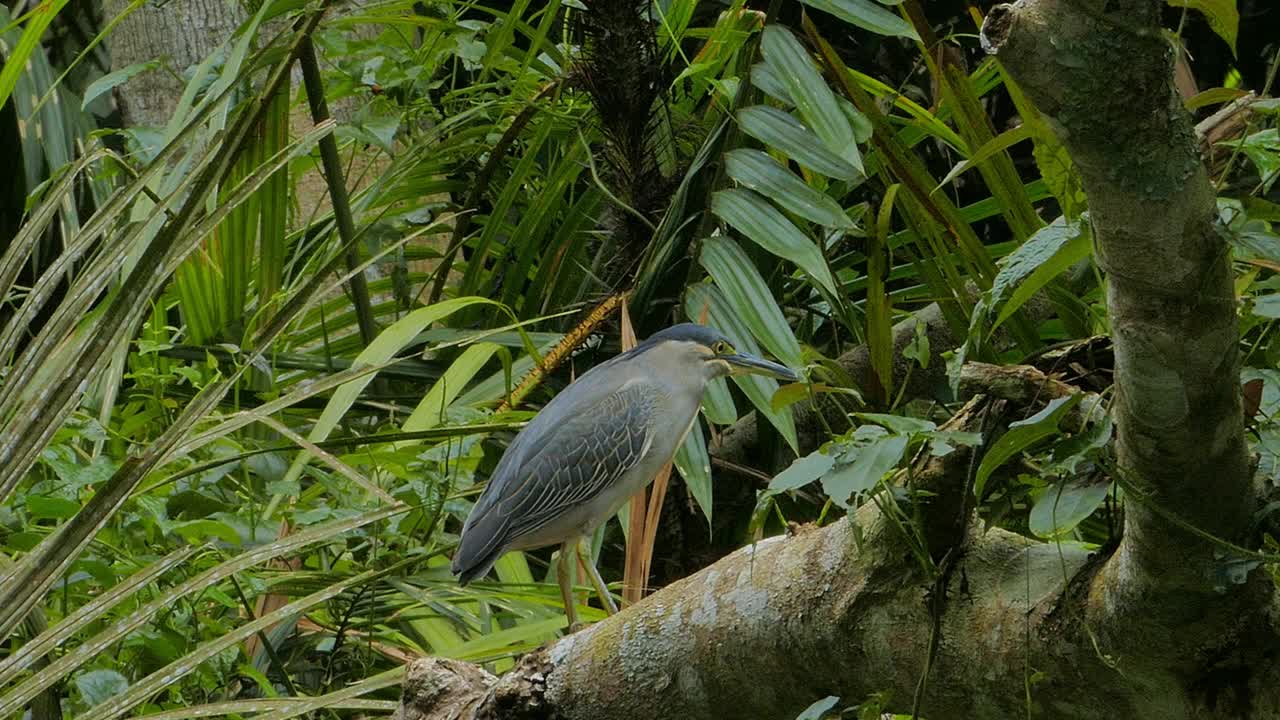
x,y
202,455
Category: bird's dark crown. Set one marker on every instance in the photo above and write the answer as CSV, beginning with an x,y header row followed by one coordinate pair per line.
x,y
686,332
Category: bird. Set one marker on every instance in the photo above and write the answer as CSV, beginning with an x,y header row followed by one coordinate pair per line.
x,y
597,443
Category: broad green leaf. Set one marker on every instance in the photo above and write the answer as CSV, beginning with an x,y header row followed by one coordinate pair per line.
x,y
117,77
1263,148
41,507
97,686
749,298
717,403
802,471
866,14
431,409
811,94
777,129
766,78
754,217
694,464
1267,306
198,531
820,709
1223,16
943,442
1064,506
1044,256
767,176
759,390
388,343
1213,96
1255,241
1022,435
866,466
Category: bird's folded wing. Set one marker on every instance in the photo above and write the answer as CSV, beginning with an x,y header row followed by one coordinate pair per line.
x,y
577,459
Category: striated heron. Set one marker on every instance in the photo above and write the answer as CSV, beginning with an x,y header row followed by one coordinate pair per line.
x,y
594,446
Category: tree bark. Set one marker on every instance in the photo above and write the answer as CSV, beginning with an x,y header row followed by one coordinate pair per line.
x,y
1102,74
1159,628
181,33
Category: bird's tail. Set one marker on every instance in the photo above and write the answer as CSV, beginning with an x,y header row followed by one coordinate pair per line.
x,y
479,548
469,569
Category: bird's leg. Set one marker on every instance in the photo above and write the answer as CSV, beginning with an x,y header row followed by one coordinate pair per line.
x,y
565,575
601,588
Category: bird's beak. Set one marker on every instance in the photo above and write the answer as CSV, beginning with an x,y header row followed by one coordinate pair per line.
x,y
741,364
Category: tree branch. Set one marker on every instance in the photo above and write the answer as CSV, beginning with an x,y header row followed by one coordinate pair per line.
x,y
778,625
1102,74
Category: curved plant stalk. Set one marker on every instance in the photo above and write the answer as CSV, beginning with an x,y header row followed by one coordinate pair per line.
x,y
334,178
562,350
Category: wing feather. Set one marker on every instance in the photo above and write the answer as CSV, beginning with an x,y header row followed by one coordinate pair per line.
x,y
581,443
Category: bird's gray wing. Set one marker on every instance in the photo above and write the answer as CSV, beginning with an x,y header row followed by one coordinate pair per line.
x,y
566,457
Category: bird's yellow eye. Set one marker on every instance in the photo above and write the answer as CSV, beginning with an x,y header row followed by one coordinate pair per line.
x,y
723,348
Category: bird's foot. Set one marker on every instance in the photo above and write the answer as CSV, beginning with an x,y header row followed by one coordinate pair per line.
x,y
574,627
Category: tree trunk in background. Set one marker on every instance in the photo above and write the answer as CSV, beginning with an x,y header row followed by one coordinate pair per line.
x,y
181,33
1159,628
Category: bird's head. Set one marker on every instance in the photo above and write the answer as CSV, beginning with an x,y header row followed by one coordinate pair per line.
x,y
715,353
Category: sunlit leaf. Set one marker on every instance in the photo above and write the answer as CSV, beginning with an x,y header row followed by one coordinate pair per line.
x,y
995,145
802,471
898,423
1223,16
780,131
389,342
866,14
767,176
116,77
97,686
766,78
1044,256
754,217
819,710
863,467
812,96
